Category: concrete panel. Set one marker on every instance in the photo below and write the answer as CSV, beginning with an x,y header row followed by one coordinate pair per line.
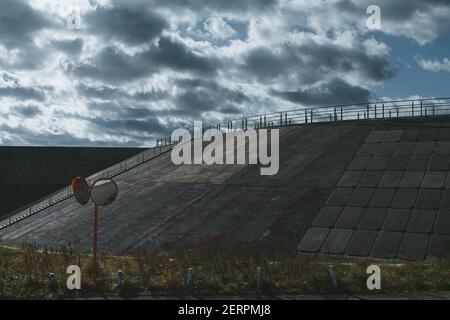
x,y
442,147
349,218
392,135
382,198
440,162
418,163
390,179
387,244
445,201
405,148
372,219
410,135
429,199
368,149
424,148
378,163
327,217
421,221
361,243
444,134
442,225
405,198
375,136
370,179
414,246
431,134
398,163
440,246
434,180
339,197
337,241
386,148
350,179
396,220
412,179
360,197
313,240
359,163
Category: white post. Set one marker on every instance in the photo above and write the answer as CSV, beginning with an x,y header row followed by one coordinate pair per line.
x,y
189,277
258,278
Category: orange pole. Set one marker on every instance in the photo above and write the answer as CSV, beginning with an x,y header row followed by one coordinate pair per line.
x,y
94,262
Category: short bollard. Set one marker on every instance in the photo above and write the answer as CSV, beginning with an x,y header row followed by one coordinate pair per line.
x,y
189,277
52,283
120,280
258,277
333,276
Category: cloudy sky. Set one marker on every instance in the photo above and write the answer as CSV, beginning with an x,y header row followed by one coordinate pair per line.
x,y
120,73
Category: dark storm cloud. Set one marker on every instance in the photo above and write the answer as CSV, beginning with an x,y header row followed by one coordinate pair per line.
x,y
70,47
22,93
27,111
202,95
114,93
335,92
239,6
115,66
177,56
119,111
311,62
23,135
125,126
18,23
132,25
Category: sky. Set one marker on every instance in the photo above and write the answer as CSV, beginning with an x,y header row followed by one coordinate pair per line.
x,y
124,72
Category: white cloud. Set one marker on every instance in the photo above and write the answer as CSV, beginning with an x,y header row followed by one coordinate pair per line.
x,y
434,65
219,28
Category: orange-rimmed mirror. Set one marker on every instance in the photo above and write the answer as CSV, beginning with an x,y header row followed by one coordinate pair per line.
x,y
81,190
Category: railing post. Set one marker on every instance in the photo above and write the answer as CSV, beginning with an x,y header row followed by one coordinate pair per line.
x,y
285,119
281,119
412,108
382,110
375,111
335,115
311,120
260,121
421,106
306,116
368,116
342,114
265,123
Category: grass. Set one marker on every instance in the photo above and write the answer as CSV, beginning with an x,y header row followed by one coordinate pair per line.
x,y
217,270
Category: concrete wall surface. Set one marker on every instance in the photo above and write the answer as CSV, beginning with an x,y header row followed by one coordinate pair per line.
x,y
30,173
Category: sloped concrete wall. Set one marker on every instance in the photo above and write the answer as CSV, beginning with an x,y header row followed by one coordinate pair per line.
x,y
29,173
318,188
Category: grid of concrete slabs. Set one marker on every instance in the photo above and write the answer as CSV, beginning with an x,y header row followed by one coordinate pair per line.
x,y
393,201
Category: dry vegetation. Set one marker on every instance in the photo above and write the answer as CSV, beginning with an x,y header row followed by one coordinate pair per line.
x,y
217,270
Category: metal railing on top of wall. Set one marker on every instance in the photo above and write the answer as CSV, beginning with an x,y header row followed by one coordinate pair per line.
x,y
375,110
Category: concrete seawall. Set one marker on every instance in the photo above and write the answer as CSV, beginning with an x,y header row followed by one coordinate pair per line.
x,y
29,173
